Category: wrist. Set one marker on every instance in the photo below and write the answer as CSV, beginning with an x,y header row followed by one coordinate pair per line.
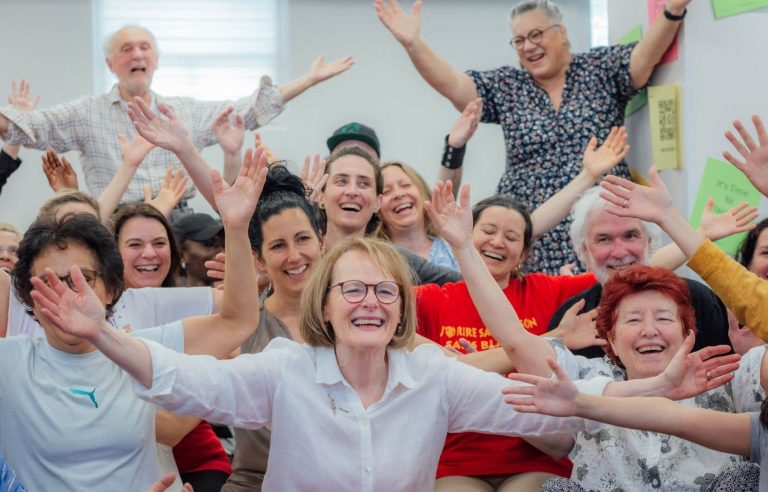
x,y
675,14
453,157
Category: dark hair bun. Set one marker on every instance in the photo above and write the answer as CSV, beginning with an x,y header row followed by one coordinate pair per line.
x,y
280,179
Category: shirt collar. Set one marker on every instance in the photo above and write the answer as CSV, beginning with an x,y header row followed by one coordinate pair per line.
x,y
327,368
113,96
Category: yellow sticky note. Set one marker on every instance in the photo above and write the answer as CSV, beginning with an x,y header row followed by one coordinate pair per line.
x,y
664,105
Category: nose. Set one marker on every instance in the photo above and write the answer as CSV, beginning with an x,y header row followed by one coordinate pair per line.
x,y
370,300
497,241
648,328
293,252
619,250
148,251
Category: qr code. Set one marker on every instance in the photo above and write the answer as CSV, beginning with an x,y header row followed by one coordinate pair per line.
x,y
667,120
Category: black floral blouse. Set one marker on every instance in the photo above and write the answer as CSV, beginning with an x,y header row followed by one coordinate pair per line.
x,y
544,147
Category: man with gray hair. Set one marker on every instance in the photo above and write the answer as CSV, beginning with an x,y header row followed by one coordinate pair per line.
x,y
92,124
606,244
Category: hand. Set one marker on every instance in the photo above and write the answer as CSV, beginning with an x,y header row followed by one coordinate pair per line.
x,y
556,397
405,28
314,179
567,270
690,374
736,220
320,71
168,133
135,150
614,150
165,482
676,6
237,203
79,313
230,137
466,124
579,330
453,219
741,337
215,269
271,157
19,97
170,194
629,199
59,172
755,164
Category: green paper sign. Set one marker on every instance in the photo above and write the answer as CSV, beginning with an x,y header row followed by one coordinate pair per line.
x,y
729,187
725,8
632,36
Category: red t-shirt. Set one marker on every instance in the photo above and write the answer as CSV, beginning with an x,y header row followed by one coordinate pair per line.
x,y
201,450
446,314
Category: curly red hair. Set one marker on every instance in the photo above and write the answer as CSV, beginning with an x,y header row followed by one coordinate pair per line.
x,y
641,278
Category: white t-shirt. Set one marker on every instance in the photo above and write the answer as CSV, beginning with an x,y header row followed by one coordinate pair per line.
x,y
71,422
140,308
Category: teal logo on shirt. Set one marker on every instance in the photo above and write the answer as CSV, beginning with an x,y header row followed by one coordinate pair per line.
x,y
90,394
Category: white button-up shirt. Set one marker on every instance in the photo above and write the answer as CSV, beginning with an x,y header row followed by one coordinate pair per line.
x,y
322,436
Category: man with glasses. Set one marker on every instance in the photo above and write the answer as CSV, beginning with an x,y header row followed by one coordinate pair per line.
x,y
551,106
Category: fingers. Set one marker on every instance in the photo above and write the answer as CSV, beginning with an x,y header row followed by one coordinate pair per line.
x,y
709,205
217,181
574,310
559,371
745,136
239,122
592,144
304,174
147,193
144,109
464,197
762,136
223,115
736,163
79,280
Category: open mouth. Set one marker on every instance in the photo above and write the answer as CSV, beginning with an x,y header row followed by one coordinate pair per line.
x,y
147,268
138,69
494,256
366,322
403,207
350,207
651,349
535,58
292,272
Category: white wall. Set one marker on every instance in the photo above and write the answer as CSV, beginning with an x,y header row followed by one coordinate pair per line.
x,y
53,48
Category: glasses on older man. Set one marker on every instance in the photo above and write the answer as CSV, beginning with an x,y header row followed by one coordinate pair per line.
x,y
90,277
534,37
354,291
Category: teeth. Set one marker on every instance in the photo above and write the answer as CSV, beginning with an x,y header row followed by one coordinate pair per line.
x,y
366,321
353,207
494,256
650,348
298,270
404,206
147,268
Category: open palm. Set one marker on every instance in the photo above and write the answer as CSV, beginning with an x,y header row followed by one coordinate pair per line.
x,y
598,161
168,133
547,396
237,203
652,203
689,374
78,313
453,219
755,163
404,27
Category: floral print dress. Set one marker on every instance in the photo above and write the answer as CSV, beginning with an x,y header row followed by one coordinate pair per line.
x,y
545,147
616,459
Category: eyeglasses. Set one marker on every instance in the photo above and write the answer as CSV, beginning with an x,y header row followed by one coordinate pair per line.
x,y
90,277
534,37
354,291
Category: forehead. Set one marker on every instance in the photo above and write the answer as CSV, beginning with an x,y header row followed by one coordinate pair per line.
x,y
603,223
394,173
8,237
502,217
525,23
648,300
358,265
131,35
356,143
762,238
142,227
287,223
60,260
352,165
71,208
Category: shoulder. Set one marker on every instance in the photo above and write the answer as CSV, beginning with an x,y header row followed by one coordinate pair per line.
x,y
603,53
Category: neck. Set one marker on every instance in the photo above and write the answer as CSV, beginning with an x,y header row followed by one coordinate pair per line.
x,y
413,239
335,234
127,95
286,309
555,81
365,370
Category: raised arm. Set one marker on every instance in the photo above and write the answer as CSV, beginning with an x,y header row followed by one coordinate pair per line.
x,y
170,193
456,143
755,155
456,86
725,432
318,72
132,152
19,99
59,172
230,138
597,161
171,134
454,220
648,52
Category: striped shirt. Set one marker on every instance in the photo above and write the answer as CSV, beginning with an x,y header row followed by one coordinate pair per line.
x,y
91,125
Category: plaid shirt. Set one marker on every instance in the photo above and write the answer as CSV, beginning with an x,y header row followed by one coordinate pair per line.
x,y
91,125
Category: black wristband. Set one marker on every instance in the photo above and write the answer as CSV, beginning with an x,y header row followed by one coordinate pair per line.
x,y
453,157
674,18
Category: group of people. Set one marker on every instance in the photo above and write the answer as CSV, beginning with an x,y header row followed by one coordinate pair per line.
x,y
351,327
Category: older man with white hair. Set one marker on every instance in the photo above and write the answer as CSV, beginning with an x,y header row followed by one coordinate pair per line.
x,y
92,124
607,243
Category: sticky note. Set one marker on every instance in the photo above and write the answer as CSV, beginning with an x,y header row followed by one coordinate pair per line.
x,y
728,187
663,103
655,8
725,8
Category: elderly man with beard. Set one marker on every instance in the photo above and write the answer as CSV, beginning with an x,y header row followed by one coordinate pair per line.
x,y
606,243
